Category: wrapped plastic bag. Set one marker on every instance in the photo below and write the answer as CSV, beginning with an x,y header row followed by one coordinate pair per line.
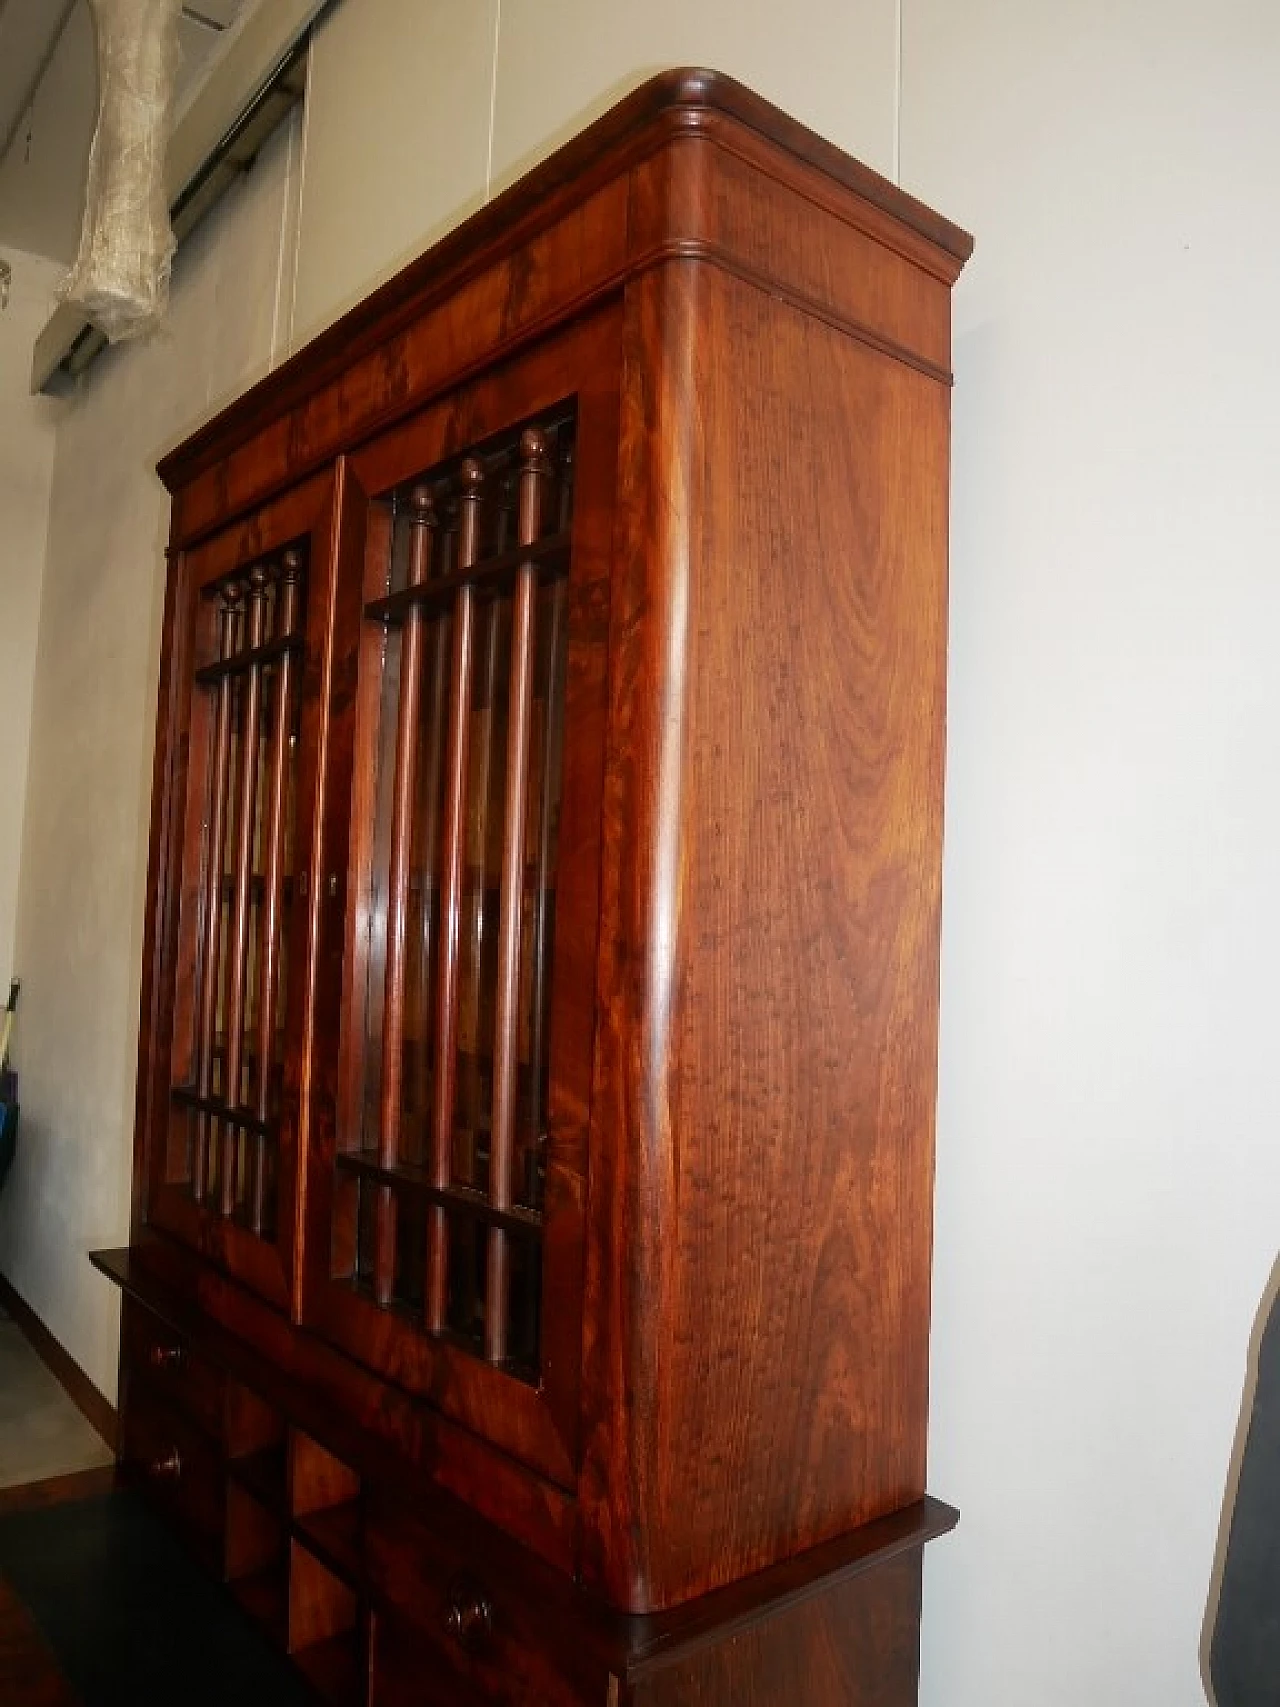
x,y
120,279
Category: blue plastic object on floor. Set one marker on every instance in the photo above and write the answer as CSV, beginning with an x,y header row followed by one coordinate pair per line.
x,y
8,1137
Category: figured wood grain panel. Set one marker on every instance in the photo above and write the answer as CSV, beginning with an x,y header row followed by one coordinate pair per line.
x,y
696,194
449,338
857,1645
757,1365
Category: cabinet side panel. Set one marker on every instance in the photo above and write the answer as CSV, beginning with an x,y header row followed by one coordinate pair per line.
x,y
857,1645
768,1043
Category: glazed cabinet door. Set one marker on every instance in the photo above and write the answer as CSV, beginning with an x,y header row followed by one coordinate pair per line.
x,y
455,1034
229,967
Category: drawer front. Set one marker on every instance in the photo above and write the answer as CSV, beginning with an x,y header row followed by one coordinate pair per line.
x,y
171,1368
405,1674
483,1634
174,1463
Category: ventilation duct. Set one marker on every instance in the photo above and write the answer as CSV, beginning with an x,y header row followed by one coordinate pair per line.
x,y
255,76
121,275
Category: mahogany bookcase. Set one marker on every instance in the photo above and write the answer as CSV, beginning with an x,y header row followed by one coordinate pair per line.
x,y
528,1292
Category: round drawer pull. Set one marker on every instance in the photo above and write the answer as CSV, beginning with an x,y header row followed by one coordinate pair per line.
x,y
166,1357
166,1466
469,1618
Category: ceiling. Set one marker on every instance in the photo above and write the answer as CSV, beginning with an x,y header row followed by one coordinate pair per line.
x,y
48,104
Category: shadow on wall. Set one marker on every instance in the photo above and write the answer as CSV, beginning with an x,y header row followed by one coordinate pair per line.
x,y
1240,1643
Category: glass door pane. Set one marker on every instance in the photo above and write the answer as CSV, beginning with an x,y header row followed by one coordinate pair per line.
x,y
441,1215
226,1087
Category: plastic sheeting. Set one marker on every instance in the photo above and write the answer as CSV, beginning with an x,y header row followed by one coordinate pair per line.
x,y
120,279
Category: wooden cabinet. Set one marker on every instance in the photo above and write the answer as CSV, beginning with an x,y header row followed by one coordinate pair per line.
x,y
529,1275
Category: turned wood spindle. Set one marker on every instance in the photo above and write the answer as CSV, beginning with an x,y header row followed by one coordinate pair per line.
x,y
271,924
238,945
535,470
432,767
422,525
228,609
476,858
451,863
543,896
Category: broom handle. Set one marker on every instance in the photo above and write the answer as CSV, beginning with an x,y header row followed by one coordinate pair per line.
x,y
10,1005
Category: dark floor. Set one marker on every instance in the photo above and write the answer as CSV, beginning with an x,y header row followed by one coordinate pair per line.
x,y
101,1607
29,1674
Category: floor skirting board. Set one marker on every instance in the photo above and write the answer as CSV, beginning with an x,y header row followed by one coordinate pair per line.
x,y
92,1404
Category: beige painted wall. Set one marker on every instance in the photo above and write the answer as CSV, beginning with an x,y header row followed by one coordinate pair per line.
x,y
42,175
1109,1165
80,907
27,430
418,113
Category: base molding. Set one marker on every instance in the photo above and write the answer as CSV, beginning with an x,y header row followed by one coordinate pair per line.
x,y
93,1405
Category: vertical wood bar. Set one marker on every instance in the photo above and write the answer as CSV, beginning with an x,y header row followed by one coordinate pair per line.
x,y
208,1032
535,466
478,788
433,764
273,876
539,970
422,522
552,731
455,811
237,947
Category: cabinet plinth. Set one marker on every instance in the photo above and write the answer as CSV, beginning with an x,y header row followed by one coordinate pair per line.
x,y
528,1290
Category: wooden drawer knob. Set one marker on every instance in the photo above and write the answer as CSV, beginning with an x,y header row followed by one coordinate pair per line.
x,y
166,1357
469,1618
166,1466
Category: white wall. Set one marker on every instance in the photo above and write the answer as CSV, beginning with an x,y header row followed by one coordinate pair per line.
x,y
80,909
1108,1165
418,113
1109,1171
27,427
42,174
